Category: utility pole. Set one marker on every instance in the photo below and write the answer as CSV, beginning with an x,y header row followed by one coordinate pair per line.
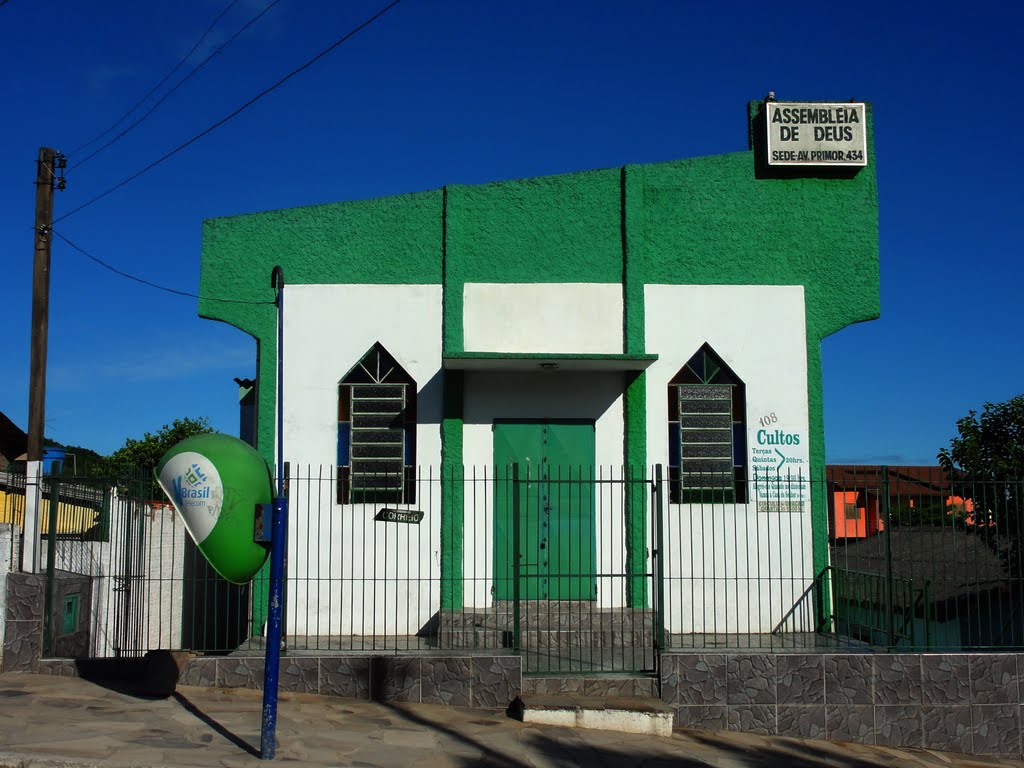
x,y
46,181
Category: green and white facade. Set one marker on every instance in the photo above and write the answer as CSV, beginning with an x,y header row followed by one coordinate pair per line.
x,y
562,311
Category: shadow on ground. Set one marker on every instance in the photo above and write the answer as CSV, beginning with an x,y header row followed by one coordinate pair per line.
x,y
572,748
215,726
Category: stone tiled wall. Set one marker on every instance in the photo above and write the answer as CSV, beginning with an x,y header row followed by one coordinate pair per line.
x,y
23,614
23,634
74,644
487,682
955,702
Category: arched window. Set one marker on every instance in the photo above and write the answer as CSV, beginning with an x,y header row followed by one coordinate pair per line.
x,y
377,432
707,432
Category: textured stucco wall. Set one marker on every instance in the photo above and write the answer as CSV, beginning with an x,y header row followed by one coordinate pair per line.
x,y
711,220
555,229
394,240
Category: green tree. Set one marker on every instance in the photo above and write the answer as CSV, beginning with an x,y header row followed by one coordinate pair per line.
x,y
144,454
986,464
989,445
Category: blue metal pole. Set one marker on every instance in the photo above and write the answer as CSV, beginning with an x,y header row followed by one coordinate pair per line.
x,y
268,741
278,533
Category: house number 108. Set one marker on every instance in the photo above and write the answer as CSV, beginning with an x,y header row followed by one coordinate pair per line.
x,y
771,418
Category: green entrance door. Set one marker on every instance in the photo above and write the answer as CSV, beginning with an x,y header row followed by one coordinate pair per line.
x,y
556,509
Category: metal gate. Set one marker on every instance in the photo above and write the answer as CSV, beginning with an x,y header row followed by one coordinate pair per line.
x,y
123,577
613,623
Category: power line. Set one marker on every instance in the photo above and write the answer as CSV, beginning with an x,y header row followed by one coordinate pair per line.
x,y
152,90
185,79
175,291
234,114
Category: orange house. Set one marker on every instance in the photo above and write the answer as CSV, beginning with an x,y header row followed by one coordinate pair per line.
x,y
854,492
853,514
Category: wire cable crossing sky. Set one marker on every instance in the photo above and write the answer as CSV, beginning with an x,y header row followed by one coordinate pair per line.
x,y
151,284
231,116
155,88
195,70
462,93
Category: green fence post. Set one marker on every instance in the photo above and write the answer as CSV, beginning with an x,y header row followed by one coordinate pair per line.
x,y
103,533
884,503
929,640
51,558
820,592
909,613
656,563
516,646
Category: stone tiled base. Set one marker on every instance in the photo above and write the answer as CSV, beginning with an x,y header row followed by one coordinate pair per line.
x,y
22,646
970,703
618,687
488,682
485,682
58,667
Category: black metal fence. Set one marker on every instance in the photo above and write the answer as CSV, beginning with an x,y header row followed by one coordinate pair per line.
x,y
147,586
579,571
747,575
923,559
557,567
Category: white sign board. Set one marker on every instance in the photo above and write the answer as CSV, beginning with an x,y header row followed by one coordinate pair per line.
x,y
811,133
780,459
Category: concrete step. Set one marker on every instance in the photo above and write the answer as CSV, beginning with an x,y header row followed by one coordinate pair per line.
x,y
625,715
541,639
603,685
556,617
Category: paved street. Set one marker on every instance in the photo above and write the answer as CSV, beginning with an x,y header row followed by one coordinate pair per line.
x,y
64,721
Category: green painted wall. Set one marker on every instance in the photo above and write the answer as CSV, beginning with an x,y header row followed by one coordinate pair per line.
x,y
709,221
384,241
392,240
700,221
552,229
452,491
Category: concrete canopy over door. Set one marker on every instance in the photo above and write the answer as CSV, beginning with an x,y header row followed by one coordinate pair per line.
x,y
556,509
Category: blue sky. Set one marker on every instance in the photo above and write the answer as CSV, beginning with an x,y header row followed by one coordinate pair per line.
x,y
463,92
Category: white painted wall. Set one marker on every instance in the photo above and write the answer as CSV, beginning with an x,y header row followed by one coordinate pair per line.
x,y
719,556
327,330
349,574
543,317
542,395
10,562
158,545
337,551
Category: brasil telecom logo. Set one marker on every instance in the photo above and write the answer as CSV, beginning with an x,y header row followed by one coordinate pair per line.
x,y
197,487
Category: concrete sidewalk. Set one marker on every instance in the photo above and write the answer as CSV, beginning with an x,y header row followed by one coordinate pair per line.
x,y
67,721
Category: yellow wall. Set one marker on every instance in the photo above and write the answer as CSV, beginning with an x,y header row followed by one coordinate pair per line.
x,y
71,518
